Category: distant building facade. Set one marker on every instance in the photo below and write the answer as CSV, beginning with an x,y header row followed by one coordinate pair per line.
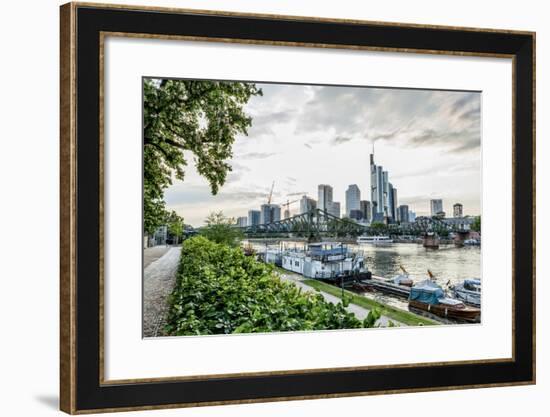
x,y
392,203
254,217
403,213
356,215
307,204
324,194
160,235
412,216
334,208
242,221
353,199
436,207
461,223
270,213
366,209
457,210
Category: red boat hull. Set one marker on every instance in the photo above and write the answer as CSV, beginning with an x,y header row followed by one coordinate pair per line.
x,y
465,313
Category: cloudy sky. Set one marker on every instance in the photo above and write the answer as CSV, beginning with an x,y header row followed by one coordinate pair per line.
x,y
302,136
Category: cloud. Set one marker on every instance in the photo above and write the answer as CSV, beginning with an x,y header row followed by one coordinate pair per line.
x,y
257,155
339,140
449,119
265,123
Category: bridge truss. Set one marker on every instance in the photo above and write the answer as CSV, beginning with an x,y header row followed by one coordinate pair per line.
x,y
317,223
313,224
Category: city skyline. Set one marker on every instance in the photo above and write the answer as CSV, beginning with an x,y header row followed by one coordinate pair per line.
x,y
302,137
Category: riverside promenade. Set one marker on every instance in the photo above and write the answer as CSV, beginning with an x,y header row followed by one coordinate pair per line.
x,y
159,278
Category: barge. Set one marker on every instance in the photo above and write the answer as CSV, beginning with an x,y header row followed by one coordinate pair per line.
x,y
329,261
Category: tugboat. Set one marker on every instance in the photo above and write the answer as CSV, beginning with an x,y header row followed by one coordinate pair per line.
x,y
430,297
468,291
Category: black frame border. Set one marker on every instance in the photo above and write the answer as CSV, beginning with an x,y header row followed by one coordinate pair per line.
x,y
90,395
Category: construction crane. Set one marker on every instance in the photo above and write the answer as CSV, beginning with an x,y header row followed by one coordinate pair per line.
x,y
287,205
270,193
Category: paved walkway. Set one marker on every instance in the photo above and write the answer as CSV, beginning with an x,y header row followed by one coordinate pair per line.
x,y
159,277
150,255
360,312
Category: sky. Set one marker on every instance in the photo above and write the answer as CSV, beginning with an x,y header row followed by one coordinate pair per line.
x,y
302,136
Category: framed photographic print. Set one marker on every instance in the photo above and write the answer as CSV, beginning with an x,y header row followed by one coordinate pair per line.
x,y
265,208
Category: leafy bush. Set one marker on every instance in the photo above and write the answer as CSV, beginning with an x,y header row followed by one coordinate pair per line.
x,y
219,290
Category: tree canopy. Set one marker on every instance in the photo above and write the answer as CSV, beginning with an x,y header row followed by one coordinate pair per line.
x,y
189,118
221,229
476,225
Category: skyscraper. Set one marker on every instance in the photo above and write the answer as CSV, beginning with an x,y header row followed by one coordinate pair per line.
x,y
404,213
366,209
380,191
242,221
333,208
307,204
253,217
436,206
457,210
270,213
324,192
353,199
395,203
392,203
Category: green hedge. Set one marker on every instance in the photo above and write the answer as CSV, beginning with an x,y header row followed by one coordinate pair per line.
x,y
219,290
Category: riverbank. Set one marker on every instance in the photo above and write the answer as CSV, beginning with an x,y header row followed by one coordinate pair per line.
x,y
401,316
361,312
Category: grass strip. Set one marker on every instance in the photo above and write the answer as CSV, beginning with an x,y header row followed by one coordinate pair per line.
x,y
405,317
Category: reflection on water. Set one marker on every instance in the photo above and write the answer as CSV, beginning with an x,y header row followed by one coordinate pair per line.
x,y
448,263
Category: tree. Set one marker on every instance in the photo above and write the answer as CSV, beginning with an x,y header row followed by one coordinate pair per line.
x,y
221,229
175,226
184,118
378,228
476,225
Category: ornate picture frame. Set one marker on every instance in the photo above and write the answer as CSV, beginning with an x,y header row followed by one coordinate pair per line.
x,y
84,28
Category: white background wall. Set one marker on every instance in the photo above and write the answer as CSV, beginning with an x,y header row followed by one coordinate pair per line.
x,y
29,207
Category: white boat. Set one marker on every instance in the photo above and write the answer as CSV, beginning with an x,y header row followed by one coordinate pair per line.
x,y
326,260
468,291
375,240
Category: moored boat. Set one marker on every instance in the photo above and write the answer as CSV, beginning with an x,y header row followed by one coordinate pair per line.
x,y
402,279
468,291
430,297
375,240
330,261
399,285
